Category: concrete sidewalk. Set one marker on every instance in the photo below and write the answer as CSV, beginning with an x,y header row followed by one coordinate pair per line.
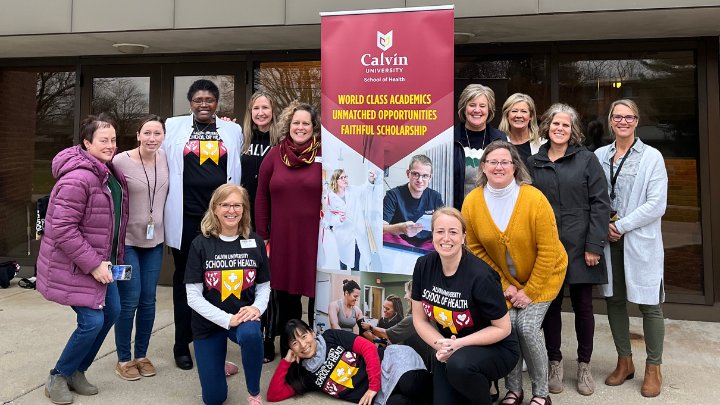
x,y
34,331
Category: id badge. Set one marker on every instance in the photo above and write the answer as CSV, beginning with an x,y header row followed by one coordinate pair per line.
x,y
150,232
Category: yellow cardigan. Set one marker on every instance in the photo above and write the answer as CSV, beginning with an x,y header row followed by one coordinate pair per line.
x,y
532,237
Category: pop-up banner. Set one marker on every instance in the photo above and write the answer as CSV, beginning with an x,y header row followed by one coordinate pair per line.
x,y
387,132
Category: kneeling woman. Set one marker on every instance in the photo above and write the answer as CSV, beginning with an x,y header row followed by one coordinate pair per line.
x,y
346,366
462,295
228,286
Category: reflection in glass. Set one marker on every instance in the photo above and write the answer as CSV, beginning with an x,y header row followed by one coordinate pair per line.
x,y
127,99
225,83
288,81
664,86
526,74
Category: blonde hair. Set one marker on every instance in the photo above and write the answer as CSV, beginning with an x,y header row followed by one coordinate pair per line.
x,y
334,179
576,135
210,225
471,92
507,107
249,125
627,103
451,212
521,174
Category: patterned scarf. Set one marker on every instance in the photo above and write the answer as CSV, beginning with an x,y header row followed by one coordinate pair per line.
x,y
294,155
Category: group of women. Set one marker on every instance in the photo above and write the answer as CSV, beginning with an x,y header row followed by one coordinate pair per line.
x,y
547,212
181,187
538,211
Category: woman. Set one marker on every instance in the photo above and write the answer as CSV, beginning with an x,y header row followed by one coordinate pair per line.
x,y
85,229
260,134
344,313
346,208
572,179
203,153
404,332
519,123
227,303
511,226
637,181
346,366
392,312
287,209
146,171
476,107
460,312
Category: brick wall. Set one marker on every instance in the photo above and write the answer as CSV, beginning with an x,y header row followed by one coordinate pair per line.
x,y
17,150
683,203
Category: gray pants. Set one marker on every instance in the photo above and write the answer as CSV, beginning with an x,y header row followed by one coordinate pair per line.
x,y
528,322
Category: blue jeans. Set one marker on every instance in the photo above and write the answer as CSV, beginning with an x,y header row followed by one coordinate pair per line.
x,y
93,326
210,355
137,301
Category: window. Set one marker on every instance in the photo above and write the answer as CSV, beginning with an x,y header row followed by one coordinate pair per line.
x,y
288,81
664,85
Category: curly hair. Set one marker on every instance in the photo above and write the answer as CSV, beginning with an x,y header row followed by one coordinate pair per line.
x,y
286,117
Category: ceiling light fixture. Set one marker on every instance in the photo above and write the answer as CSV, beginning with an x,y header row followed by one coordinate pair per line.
x,y
463,37
133,49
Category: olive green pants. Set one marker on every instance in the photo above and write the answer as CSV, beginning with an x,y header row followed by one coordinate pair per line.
x,y
653,321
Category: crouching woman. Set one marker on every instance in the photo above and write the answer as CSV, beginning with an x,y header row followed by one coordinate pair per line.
x,y
228,285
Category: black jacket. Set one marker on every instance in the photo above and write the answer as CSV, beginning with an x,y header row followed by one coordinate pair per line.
x,y
576,187
459,158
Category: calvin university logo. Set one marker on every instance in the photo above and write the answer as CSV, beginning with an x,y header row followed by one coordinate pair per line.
x,y
384,41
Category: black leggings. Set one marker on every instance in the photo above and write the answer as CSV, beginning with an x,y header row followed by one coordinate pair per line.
x,y
413,388
290,307
465,378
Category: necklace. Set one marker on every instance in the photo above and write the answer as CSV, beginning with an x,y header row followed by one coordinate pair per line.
x,y
151,198
198,130
482,146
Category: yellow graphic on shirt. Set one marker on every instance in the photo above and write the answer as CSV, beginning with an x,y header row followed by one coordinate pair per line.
x,y
209,150
343,374
444,318
232,281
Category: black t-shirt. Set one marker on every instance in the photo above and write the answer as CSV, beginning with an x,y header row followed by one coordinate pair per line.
x,y
340,363
205,168
524,151
400,206
250,162
463,303
229,272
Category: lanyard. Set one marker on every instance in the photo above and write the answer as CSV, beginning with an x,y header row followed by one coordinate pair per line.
x,y
613,178
150,198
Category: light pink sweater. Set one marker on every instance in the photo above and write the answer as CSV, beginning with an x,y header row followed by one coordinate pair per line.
x,y
139,200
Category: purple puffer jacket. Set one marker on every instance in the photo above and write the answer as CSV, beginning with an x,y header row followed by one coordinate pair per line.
x,y
79,230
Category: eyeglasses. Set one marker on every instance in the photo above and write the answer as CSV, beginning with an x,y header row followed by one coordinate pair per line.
x,y
201,101
501,163
226,206
415,175
628,118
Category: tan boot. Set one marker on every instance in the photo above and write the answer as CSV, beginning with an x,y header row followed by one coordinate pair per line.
x,y
625,370
653,381
585,381
555,377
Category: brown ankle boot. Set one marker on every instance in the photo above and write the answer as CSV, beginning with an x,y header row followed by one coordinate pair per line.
x,y
653,381
625,370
